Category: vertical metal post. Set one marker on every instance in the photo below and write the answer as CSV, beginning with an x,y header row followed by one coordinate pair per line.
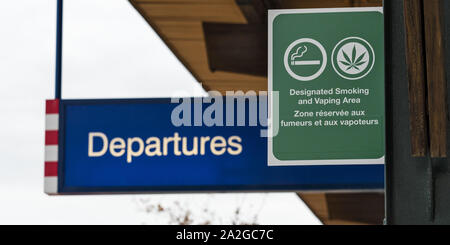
x,y
59,36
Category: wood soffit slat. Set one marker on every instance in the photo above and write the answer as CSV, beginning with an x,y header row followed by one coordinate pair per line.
x,y
179,24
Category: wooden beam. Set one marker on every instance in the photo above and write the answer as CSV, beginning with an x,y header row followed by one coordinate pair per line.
x,y
436,77
356,207
415,61
208,11
255,11
240,48
346,208
367,3
237,48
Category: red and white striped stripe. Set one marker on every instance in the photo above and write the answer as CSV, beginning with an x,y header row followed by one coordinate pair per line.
x,y
51,147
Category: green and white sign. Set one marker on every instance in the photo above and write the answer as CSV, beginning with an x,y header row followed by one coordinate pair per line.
x,y
327,78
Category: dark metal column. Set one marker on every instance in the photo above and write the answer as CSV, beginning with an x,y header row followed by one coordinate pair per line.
x,y
416,184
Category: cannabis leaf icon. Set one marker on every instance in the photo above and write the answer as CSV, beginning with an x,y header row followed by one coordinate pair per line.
x,y
353,62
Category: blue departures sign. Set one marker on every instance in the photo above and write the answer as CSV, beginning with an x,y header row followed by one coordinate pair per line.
x,y
122,146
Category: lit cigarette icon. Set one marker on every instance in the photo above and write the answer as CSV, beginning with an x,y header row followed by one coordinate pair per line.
x,y
305,63
299,54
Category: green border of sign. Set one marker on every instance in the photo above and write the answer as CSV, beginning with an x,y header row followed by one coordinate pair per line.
x,y
273,95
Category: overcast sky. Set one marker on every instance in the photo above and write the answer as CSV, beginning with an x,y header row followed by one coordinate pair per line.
x,y
109,52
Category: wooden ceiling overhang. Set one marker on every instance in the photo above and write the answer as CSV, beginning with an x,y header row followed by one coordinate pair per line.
x,y
223,43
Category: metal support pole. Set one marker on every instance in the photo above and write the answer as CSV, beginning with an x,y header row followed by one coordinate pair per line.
x,y
59,36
